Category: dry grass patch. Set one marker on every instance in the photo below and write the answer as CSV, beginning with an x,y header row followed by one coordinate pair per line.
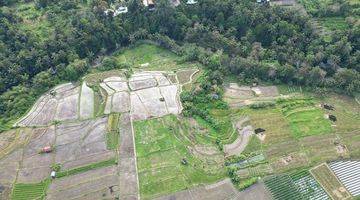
x,y
329,182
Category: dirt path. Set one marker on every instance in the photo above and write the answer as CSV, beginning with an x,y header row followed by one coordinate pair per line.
x,y
240,143
127,168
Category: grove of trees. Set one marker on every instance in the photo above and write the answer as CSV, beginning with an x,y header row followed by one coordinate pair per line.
x,y
230,37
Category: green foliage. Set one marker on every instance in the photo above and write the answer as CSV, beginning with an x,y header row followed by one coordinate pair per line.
x,y
161,145
30,191
247,183
112,135
262,105
305,119
85,168
56,167
281,187
75,70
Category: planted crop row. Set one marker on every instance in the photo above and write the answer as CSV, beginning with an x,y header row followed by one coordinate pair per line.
x,y
281,187
308,186
87,168
31,191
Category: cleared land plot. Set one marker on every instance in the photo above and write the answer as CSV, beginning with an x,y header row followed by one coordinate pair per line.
x,y
160,153
329,182
184,76
352,142
348,172
255,192
152,57
239,96
100,183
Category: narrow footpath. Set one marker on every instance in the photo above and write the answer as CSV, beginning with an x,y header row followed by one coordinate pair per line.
x,y
128,185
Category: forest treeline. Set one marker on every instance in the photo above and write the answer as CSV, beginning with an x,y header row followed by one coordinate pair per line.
x,y
241,38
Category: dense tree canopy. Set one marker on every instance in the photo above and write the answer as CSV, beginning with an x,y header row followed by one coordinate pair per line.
x,y
237,37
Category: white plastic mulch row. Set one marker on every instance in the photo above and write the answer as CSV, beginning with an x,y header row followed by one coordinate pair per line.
x,y
348,172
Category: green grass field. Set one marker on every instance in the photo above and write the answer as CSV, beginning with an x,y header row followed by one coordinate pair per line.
x,y
157,57
304,117
309,122
33,191
161,147
333,23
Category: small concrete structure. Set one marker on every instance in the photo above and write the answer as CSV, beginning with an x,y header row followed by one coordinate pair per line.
x,y
116,12
150,4
53,174
191,2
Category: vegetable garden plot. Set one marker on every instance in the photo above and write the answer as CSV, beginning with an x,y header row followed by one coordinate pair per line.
x,y
299,185
308,186
282,187
31,191
348,172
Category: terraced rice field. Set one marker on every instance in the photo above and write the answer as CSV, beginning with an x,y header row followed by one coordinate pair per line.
x,y
160,153
304,118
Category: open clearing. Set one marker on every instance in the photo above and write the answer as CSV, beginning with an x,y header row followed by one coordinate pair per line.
x,y
152,57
